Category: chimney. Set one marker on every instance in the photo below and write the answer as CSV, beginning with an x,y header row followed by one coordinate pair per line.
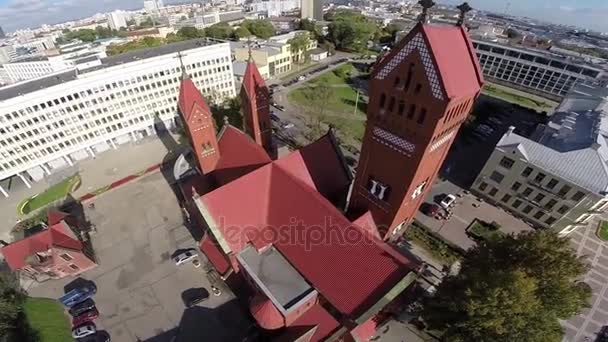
x,y
510,130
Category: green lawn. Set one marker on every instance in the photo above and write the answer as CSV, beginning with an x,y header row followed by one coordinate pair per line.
x,y
47,319
344,97
602,230
54,193
518,97
483,231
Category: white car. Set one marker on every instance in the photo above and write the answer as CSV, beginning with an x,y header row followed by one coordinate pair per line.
x,y
84,330
447,201
184,257
301,78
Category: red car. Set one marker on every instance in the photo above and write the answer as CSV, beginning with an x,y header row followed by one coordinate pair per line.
x,y
84,317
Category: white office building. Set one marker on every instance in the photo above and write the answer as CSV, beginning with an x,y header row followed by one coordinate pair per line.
x,y
534,71
7,52
51,122
117,19
153,5
274,8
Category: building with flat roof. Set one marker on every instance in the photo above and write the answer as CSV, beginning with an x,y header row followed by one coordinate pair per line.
x,y
558,177
272,55
117,19
535,71
311,9
53,121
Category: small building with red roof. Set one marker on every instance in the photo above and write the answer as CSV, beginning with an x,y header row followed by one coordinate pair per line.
x,y
52,253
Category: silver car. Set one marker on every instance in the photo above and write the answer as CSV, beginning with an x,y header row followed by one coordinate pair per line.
x,y
84,330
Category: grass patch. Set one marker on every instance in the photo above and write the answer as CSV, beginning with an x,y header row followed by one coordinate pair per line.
x,y
602,230
434,244
50,195
344,97
350,127
48,320
518,97
483,231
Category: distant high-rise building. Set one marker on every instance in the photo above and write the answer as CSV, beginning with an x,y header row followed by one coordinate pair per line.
x,y
117,19
312,9
2,35
153,5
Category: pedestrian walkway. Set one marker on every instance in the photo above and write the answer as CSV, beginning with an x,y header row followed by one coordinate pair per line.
x,y
105,168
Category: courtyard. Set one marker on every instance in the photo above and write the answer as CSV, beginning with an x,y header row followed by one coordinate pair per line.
x,y
139,298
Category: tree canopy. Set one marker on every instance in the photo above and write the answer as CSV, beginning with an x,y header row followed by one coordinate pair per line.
x,y
190,32
11,301
511,289
89,35
219,31
350,30
241,32
259,28
146,42
299,44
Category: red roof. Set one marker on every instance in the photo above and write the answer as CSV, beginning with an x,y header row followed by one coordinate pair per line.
x,y
215,256
367,223
265,313
239,155
364,331
252,79
318,317
16,253
455,58
281,198
53,217
188,97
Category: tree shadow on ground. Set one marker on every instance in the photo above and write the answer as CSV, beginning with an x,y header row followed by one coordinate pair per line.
x,y
226,322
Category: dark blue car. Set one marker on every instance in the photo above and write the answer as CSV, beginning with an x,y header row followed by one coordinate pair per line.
x,y
78,295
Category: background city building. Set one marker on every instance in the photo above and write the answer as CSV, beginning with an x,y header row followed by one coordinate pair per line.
x,y
51,121
311,9
117,20
558,177
536,71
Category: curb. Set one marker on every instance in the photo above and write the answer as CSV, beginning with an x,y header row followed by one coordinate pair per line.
x,y
102,190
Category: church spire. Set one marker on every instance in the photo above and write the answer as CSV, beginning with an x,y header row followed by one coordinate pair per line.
x,y
181,64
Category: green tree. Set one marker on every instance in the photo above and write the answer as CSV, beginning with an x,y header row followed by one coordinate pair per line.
x,y
219,31
328,46
259,28
318,96
299,45
131,22
310,26
146,23
511,289
513,33
86,35
11,301
190,32
350,30
241,32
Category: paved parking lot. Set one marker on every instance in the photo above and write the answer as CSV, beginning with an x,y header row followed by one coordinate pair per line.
x,y
585,326
454,229
139,287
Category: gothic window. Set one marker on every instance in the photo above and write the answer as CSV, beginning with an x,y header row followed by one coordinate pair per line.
x,y
412,111
419,189
397,81
401,107
410,73
378,190
418,88
382,100
391,104
422,116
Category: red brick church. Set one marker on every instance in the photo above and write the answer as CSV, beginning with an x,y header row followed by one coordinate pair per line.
x,y
317,272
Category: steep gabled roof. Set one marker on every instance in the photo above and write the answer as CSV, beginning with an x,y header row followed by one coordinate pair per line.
x,y
316,318
56,235
252,79
239,155
189,96
277,205
449,59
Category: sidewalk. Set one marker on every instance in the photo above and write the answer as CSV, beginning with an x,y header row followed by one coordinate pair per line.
x,y
105,168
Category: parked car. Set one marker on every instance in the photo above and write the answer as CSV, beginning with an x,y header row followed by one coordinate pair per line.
x,y
99,336
184,257
301,78
87,316
288,125
82,307
447,201
272,86
194,296
84,330
430,209
273,117
78,295
278,106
